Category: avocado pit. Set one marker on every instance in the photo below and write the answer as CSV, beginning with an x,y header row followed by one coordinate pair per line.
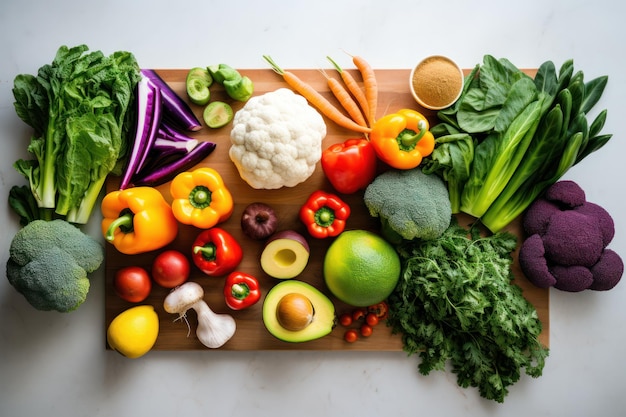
x,y
294,312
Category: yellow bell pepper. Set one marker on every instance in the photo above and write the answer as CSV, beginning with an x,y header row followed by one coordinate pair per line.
x,y
200,198
137,220
402,139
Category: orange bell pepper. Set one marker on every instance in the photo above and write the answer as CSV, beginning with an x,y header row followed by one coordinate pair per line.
x,y
402,139
200,198
137,220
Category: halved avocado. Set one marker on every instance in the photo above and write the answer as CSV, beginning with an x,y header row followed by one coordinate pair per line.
x,y
321,323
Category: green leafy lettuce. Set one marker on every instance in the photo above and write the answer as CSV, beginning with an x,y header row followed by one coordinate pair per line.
x,y
80,107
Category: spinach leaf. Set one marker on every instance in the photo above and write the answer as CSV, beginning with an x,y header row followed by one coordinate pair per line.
x,y
593,92
521,93
546,79
480,107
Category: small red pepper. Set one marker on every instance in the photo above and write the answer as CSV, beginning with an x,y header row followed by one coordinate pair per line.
x,y
381,309
241,290
350,166
324,214
216,252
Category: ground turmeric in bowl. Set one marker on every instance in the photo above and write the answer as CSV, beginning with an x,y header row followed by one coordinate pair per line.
x,y
436,82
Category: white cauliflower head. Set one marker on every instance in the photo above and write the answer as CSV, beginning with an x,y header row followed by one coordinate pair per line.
x,y
276,140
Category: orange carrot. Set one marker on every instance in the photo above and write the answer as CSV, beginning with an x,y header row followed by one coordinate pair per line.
x,y
369,82
317,100
354,89
345,99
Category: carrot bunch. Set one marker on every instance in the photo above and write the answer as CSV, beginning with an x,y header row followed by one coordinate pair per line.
x,y
358,103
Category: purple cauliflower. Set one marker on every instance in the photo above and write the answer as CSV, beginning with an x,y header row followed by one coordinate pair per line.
x,y
566,243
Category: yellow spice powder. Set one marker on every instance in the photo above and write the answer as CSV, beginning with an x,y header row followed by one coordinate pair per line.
x,y
437,81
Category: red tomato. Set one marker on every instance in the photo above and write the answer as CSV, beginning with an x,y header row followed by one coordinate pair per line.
x,y
350,336
366,330
372,319
132,283
345,319
170,269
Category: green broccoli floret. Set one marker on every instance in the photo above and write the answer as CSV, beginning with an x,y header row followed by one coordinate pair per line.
x,y
410,204
49,263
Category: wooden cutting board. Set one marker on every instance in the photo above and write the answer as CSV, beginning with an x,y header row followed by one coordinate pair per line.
x,y
251,334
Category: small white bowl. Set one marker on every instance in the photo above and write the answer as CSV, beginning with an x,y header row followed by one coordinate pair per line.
x,y
436,82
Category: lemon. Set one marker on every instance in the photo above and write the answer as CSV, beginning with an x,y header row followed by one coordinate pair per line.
x,y
361,268
134,331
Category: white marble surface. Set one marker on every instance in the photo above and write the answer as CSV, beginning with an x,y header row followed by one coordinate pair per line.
x,y
54,364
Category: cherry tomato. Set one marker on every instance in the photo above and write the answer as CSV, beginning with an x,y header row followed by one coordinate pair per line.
x,y
371,319
170,268
132,284
345,319
366,330
350,336
358,314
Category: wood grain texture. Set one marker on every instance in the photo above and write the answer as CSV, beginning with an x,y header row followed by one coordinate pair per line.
x,y
251,333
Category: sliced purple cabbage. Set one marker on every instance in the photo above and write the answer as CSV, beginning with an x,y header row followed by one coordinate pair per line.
x,y
167,172
177,110
167,129
148,121
165,145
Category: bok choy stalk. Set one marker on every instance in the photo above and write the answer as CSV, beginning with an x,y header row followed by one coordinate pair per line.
x,y
496,159
564,139
79,107
507,139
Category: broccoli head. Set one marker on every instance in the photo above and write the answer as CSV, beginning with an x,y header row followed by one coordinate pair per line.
x,y
410,204
49,263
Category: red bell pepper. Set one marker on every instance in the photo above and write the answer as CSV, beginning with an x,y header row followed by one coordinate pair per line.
x,y
324,214
241,290
350,166
216,252
381,309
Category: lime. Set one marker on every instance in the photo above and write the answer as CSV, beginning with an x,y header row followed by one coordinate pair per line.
x,y
361,268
